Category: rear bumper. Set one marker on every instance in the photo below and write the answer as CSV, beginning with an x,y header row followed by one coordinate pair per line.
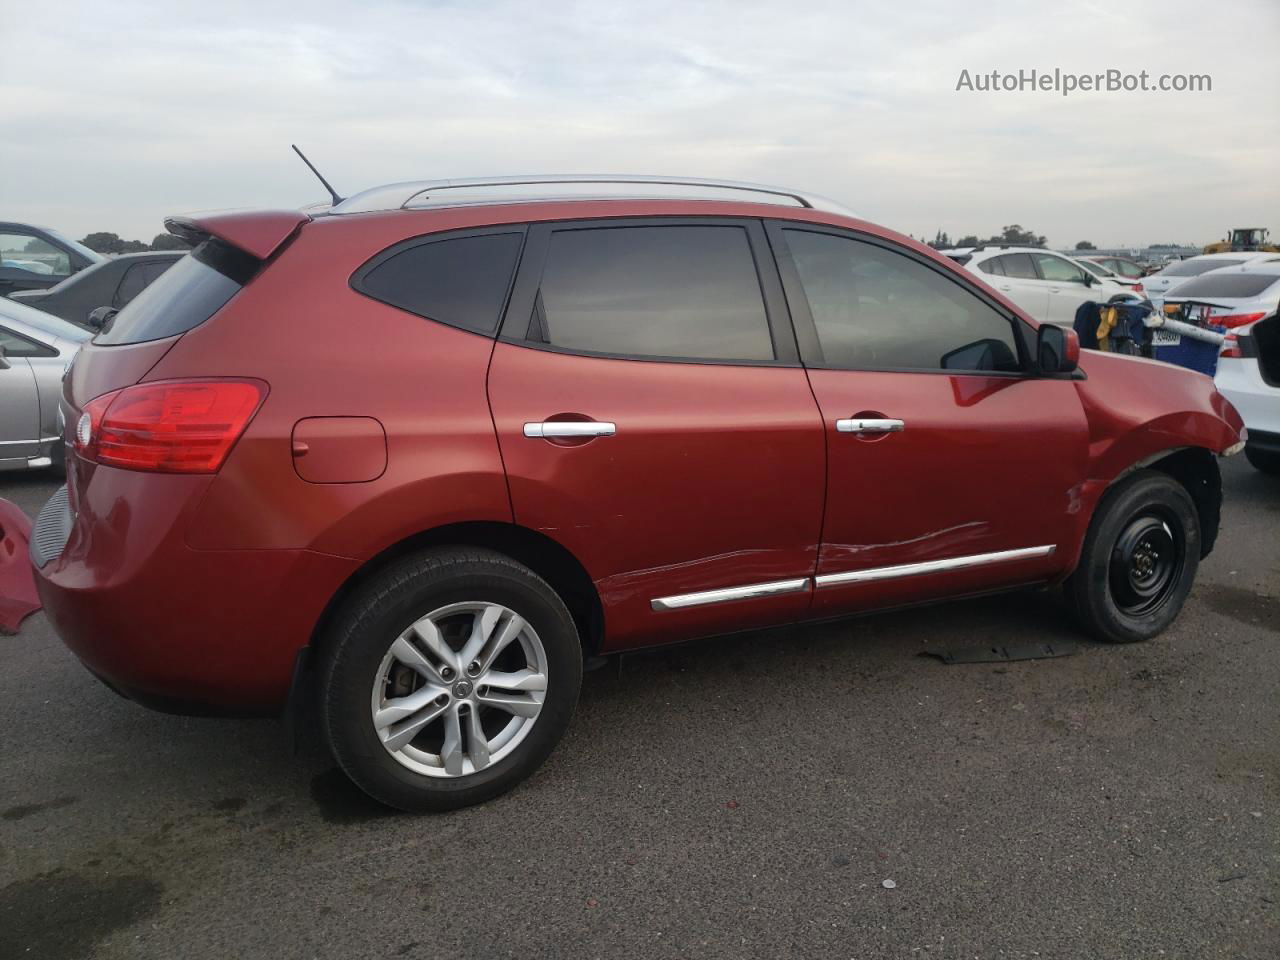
x,y
1239,379
199,631
1264,442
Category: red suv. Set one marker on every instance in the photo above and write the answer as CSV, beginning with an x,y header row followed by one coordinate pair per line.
x,y
423,453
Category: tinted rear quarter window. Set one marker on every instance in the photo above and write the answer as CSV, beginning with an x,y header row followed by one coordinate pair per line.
x,y
460,281
183,297
679,292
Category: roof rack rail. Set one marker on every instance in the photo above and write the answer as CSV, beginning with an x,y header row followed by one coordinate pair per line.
x,y
425,194
1006,246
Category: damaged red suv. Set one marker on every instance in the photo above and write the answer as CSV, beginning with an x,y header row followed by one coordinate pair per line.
x,y
415,458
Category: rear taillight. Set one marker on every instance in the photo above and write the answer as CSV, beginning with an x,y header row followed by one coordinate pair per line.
x,y
1230,347
1237,319
171,426
1137,288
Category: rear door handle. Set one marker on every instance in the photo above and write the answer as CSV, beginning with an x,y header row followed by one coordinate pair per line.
x,y
870,426
1005,287
570,428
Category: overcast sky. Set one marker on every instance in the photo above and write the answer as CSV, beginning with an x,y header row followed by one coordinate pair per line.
x,y
114,114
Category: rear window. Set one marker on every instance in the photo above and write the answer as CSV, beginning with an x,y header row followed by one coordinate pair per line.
x,y
1230,285
1195,266
183,297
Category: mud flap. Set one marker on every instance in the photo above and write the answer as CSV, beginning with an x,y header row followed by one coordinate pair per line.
x,y
18,598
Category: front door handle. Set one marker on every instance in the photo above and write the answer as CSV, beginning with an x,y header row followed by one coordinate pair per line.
x,y
870,426
1005,287
570,428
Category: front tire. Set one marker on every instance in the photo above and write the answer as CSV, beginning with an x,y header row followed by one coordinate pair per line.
x,y
449,677
1139,559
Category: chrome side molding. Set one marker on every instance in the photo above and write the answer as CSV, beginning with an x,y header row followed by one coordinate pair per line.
x,y
931,566
731,593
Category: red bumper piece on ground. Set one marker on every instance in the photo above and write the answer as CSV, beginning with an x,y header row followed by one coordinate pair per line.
x,y
18,598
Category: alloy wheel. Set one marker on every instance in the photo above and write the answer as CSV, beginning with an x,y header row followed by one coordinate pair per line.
x,y
459,689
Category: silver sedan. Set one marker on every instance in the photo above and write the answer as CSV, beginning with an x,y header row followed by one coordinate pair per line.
x,y
36,349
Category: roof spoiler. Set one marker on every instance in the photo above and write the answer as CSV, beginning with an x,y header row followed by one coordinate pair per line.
x,y
259,233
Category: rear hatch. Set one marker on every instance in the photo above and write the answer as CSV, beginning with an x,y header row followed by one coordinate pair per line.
x,y
229,251
1263,341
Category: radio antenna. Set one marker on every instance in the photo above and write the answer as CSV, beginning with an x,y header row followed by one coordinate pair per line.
x,y
312,167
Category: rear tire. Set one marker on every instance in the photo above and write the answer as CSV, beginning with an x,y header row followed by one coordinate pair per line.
x,y
1263,460
413,725
1139,559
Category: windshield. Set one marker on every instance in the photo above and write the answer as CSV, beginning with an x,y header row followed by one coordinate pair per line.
x,y
1196,266
91,255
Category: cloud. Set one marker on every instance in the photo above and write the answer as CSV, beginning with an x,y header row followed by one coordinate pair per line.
x,y
125,112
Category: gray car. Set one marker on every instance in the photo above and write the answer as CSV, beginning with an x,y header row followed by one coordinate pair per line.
x,y
111,283
35,351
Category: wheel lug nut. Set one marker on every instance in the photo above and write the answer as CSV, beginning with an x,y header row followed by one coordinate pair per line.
x,y
447,673
473,667
442,699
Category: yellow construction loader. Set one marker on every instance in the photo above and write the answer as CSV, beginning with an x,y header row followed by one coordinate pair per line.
x,y
1244,238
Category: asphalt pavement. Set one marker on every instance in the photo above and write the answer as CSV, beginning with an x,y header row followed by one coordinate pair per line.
x,y
811,792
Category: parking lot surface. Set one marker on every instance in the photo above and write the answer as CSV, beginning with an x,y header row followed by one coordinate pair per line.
x,y
814,792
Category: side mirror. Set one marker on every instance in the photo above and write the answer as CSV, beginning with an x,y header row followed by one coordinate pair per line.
x,y
1057,349
4,361
100,317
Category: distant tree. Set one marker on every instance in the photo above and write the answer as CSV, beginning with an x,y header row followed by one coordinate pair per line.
x,y
133,246
36,245
104,242
1085,245
167,241
940,241
1015,236
968,241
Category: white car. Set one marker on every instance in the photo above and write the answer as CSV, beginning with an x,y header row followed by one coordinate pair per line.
x,y
1233,296
1158,285
1048,286
1249,376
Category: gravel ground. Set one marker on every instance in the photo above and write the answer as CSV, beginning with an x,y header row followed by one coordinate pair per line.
x,y
811,792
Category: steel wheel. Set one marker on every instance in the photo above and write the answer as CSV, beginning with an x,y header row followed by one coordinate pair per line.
x,y
459,689
1146,564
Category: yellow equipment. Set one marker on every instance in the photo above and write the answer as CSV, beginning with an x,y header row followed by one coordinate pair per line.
x,y
1244,238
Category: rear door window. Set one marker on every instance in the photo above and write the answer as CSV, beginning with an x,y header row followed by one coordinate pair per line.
x,y
1019,266
461,281
132,283
185,296
680,292
995,266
